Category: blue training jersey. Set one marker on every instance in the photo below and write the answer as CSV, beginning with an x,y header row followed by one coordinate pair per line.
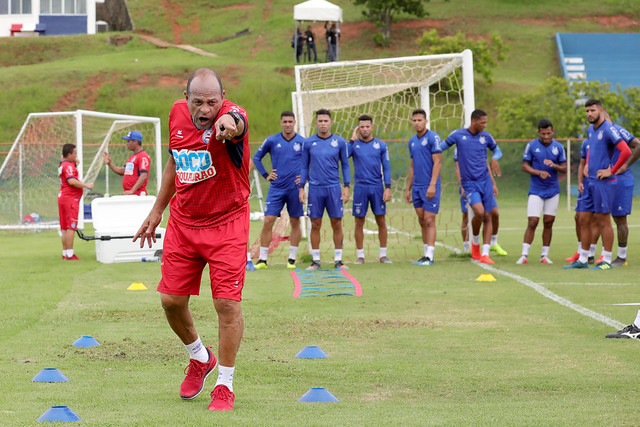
x,y
584,154
472,153
535,153
371,162
602,144
626,135
421,149
320,161
286,159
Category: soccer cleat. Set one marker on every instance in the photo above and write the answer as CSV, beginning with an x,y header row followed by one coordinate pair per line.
x,y
545,260
64,257
339,265
576,264
420,261
630,331
250,266
591,260
498,249
315,265
261,264
619,262
73,258
522,260
291,264
573,258
486,260
475,252
359,261
221,398
599,260
426,262
197,373
602,265
385,260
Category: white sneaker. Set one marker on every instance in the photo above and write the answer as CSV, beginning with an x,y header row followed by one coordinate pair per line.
x,y
522,260
545,260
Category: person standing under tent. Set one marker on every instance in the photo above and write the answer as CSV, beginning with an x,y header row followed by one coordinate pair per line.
x,y
135,172
310,40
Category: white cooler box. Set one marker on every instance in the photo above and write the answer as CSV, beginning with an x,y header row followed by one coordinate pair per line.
x,y
120,216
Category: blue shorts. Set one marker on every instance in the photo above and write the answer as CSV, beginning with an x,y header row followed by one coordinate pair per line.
x,y
276,199
623,198
419,196
325,197
581,204
480,192
599,196
463,202
364,195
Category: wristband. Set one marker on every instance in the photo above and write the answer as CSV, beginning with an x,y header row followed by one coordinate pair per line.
x,y
235,116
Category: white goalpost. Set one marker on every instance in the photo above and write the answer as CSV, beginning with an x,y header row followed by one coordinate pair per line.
x,y
29,181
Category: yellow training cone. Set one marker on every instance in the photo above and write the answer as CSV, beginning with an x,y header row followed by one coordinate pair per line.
x,y
139,286
486,278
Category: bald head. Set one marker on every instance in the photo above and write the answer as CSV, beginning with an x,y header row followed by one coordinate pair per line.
x,y
203,72
205,97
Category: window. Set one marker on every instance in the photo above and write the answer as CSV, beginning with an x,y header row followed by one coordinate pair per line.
x,y
15,7
58,7
4,7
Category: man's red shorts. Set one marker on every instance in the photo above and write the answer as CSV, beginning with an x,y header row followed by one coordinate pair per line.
x,y
68,212
186,251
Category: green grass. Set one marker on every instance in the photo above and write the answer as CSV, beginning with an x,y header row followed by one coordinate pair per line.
x,y
421,346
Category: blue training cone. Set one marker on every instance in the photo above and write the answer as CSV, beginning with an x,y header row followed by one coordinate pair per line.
x,y
50,375
312,352
85,342
59,413
318,394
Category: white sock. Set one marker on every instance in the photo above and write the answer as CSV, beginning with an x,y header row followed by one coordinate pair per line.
x,y
429,254
637,321
383,252
466,247
426,249
545,251
315,254
584,255
225,376
525,249
486,249
592,250
579,247
197,351
606,256
293,252
475,240
360,253
622,252
264,253
494,240
248,256
64,252
69,252
337,255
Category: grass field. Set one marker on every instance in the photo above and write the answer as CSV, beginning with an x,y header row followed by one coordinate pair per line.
x,y
421,346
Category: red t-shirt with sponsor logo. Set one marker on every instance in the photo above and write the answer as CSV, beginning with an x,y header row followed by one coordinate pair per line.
x,y
66,171
212,176
138,162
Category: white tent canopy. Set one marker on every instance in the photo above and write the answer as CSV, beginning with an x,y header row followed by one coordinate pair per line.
x,y
317,10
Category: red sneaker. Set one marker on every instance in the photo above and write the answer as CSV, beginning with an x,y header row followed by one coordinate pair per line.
x,y
64,257
599,260
197,373
573,258
475,252
73,258
486,260
221,398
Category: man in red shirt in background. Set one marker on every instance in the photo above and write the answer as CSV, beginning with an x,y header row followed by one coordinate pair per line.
x,y
69,199
209,224
135,172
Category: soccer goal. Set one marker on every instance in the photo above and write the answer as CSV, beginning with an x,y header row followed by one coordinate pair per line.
x,y
389,90
29,181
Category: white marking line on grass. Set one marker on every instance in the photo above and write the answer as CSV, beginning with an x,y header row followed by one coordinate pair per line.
x,y
589,284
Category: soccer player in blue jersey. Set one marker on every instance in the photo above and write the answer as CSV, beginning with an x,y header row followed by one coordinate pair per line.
x,y
322,156
285,149
543,158
371,164
583,180
423,183
603,138
472,144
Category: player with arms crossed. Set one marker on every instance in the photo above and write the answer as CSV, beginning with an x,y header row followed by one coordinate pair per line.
x,y
543,158
69,199
423,182
206,180
603,138
285,149
370,162
322,154
136,170
472,144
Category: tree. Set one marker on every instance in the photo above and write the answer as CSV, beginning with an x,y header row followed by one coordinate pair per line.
x,y
381,13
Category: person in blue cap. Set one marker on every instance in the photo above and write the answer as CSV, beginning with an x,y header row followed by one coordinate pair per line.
x,y
135,172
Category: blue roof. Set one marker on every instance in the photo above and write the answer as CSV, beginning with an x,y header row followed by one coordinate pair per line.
x,y
605,57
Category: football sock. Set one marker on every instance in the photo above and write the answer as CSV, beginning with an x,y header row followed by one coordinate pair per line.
x,y
248,256
337,255
622,252
69,253
606,256
360,253
579,247
383,252
426,250
293,252
486,249
475,240
584,255
197,351
315,254
525,249
225,376
429,253
466,247
494,240
264,253
592,250
545,251
637,321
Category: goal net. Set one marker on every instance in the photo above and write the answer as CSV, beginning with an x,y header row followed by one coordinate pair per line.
x,y
389,90
29,182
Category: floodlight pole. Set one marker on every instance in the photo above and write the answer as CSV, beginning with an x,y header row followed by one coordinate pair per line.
x,y
467,86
